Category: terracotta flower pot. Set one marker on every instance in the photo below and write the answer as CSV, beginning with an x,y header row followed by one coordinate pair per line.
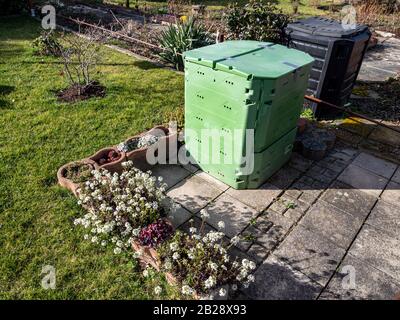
x,y
301,125
138,156
67,183
113,166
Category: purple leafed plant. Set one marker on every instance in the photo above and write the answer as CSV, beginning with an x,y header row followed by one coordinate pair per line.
x,y
155,233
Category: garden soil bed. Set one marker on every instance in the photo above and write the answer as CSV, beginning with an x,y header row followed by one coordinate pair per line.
x,y
81,92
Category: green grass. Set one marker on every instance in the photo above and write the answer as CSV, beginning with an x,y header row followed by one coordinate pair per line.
x,y
37,136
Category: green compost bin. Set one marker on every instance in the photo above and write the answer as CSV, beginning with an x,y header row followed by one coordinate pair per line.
x,y
240,94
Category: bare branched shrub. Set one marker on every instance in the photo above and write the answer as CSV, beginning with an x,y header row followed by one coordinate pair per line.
x,y
177,7
80,55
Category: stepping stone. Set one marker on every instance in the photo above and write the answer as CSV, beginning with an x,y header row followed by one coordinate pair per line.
x,y
379,250
332,223
376,165
370,283
352,201
311,254
386,217
275,280
363,179
259,198
392,193
194,193
235,214
171,173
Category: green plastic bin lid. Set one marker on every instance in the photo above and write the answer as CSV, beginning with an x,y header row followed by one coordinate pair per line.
x,y
250,58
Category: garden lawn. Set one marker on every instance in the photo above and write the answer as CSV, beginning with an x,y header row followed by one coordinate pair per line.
x,y
37,136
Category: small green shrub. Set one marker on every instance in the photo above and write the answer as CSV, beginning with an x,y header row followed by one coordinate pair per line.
x,y
308,114
257,20
182,37
47,44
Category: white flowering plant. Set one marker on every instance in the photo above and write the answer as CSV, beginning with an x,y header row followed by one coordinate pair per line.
x,y
200,262
138,142
119,205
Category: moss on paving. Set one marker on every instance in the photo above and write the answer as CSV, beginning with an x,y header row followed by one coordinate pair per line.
x,y
37,136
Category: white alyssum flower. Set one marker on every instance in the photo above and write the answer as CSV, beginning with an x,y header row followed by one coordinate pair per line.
x,y
213,266
176,256
235,240
204,214
174,246
187,290
192,230
157,290
222,292
221,225
210,282
117,250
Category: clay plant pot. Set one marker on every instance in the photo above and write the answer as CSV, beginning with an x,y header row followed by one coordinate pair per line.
x,y
63,181
113,166
138,156
301,125
148,255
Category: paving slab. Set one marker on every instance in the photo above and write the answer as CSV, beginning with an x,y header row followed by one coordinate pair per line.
x,y
363,179
268,239
344,154
284,177
348,199
176,213
235,214
332,224
322,174
392,193
275,219
385,135
257,253
385,151
213,181
376,165
396,176
378,249
194,193
171,173
275,280
369,283
300,163
310,253
333,163
386,217
192,168
258,199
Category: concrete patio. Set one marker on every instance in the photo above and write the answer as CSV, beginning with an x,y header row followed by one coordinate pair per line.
x,y
305,224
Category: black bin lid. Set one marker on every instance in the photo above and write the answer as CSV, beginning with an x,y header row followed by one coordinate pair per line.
x,y
320,26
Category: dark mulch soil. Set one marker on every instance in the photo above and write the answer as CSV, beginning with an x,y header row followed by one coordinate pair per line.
x,y
387,106
81,92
